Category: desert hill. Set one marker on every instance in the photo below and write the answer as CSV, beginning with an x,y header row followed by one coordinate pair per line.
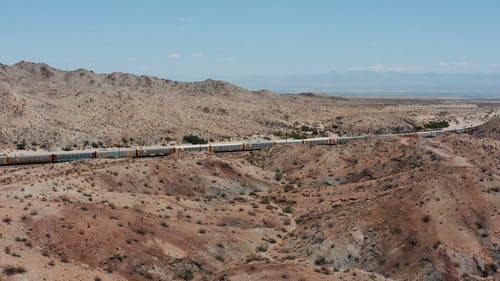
x,y
46,108
393,209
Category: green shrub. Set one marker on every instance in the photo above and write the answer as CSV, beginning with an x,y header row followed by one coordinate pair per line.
x,y
20,145
437,125
185,274
278,175
288,209
288,188
265,200
297,135
192,139
306,128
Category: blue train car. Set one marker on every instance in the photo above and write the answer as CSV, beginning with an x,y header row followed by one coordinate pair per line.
x,y
115,153
65,156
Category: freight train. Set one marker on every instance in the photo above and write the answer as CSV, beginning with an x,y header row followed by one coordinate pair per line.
x,y
24,158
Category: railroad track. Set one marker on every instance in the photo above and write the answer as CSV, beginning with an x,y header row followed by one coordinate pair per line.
x,y
26,158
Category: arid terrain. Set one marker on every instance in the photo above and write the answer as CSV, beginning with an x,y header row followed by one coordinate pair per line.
x,y
48,109
376,209
373,209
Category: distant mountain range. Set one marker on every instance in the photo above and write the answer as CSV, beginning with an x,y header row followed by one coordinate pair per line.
x,y
381,83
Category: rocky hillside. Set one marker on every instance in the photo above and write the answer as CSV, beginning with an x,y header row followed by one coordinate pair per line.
x,y
46,108
409,209
393,209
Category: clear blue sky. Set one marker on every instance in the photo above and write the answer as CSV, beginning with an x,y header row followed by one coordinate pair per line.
x,y
200,39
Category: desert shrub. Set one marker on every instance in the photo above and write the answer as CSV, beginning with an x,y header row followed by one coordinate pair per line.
x,y
278,175
121,145
306,128
64,259
288,209
21,145
193,139
67,148
185,274
297,135
320,260
288,188
299,219
426,219
436,125
265,200
262,248
12,270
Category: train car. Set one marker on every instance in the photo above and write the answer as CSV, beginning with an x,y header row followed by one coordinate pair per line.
x,y
257,145
64,156
3,160
424,134
115,153
194,147
322,141
437,133
221,147
161,151
154,151
288,142
20,159
345,139
106,153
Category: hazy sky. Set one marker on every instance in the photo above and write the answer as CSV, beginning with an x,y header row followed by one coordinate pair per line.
x,y
200,39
